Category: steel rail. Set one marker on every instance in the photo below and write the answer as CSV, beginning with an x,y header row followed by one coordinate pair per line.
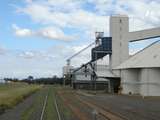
x,y
44,107
101,111
56,105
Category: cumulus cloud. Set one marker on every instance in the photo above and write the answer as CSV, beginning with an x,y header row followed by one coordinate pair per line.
x,y
53,33
48,32
61,14
71,13
21,32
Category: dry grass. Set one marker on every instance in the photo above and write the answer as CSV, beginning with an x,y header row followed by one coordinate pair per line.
x,y
13,93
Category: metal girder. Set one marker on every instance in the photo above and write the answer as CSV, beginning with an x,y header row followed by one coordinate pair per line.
x,y
144,34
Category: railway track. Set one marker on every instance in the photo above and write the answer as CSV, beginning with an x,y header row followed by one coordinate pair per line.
x,y
44,107
120,112
54,103
57,109
74,105
94,112
101,112
83,107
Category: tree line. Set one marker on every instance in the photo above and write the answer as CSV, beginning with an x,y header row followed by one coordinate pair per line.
x,y
32,80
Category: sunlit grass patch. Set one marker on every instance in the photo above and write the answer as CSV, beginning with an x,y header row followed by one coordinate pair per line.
x,y
13,93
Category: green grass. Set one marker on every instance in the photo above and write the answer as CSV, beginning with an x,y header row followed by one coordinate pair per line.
x,y
50,112
31,111
64,109
66,112
13,93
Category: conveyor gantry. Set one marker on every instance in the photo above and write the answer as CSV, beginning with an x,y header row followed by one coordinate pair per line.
x,y
103,49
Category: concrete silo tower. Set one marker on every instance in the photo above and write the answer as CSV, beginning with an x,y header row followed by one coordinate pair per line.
x,y
119,28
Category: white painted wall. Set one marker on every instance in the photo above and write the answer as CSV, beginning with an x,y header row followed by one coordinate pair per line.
x,y
145,81
129,78
150,79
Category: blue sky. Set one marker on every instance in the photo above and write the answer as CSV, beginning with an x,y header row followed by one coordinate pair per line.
x,y
37,36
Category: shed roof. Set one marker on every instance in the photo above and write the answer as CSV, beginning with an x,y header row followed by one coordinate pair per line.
x,y
106,73
149,57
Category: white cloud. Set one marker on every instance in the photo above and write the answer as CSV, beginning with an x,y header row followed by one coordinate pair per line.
x,y
48,32
137,11
70,13
73,17
37,55
27,55
41,63
54,33
65,5
143,13
21,32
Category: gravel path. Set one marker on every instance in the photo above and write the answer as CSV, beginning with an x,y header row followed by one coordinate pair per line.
x,y
132,107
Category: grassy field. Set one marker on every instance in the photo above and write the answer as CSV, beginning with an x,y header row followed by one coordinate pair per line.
x,y
31,108
13,93
33,112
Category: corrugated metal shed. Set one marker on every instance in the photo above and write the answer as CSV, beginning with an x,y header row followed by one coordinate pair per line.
x,y
107,74
104,71
149,57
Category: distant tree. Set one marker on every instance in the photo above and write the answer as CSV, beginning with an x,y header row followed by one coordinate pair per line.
x,y
11,80
54,77
49,80
7,79
30,78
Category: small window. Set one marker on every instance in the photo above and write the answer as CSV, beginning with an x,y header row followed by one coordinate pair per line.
x,y
120,21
